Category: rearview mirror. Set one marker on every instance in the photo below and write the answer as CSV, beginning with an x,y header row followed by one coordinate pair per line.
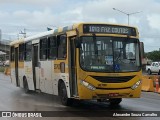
x,y
142,50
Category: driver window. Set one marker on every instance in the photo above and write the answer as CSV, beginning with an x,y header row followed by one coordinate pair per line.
x,y
130,50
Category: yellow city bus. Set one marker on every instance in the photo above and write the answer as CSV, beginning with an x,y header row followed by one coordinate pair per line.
x,y
84,61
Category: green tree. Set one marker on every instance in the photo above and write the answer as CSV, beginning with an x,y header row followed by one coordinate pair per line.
x,y
154,55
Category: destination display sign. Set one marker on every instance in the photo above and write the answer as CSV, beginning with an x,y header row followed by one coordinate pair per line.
x,y
109,29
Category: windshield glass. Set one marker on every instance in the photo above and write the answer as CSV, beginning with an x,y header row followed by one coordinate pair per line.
x,y
109,54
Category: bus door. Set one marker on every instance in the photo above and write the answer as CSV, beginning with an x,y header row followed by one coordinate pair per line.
x,y
16,67
72,67
46,85
35,66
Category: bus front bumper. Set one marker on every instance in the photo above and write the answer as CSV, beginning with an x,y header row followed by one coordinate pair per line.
x,y
106,93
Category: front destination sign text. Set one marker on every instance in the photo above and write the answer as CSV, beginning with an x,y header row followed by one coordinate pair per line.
x,y
109,29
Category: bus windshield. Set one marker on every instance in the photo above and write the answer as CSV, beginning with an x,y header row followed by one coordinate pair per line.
x,y
109,54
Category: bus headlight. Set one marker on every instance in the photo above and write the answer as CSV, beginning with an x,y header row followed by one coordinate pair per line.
x,y
136,85
87,85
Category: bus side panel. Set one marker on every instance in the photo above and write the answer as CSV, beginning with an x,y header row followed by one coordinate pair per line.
x,y
21,73
29,74
13,76
58,75
37,78
46,77
54,80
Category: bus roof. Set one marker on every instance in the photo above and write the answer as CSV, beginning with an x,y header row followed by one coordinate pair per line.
x,y
47,33
59,30
51,32
17,41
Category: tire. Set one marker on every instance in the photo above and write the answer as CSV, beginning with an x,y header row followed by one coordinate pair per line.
x,y
25,85
99,100
115,101
102,100
159,72
149,72
63,95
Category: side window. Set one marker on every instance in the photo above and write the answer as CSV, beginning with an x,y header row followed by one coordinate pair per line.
x,y
153,64
27,51
12,53
43,48
62,46
52,47
156,64
21,52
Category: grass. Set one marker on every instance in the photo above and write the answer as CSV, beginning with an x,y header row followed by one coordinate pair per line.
x,y
2,69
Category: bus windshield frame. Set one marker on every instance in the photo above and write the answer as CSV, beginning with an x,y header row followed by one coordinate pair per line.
x,y
109,54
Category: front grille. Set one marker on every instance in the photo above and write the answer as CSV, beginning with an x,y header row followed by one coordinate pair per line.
x,y
119,79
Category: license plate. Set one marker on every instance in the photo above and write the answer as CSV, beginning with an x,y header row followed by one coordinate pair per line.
x,y
113,94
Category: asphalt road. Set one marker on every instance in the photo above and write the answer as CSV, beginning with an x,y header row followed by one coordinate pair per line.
x,y
14,99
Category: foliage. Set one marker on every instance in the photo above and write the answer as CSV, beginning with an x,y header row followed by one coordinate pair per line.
x,y
154,55
1,69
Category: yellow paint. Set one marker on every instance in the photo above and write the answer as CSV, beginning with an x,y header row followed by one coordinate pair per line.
x,y
12,65
80,29
21,64
71,33
85,93
56,66
17,42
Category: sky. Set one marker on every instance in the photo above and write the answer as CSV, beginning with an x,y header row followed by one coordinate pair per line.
x,y
36,15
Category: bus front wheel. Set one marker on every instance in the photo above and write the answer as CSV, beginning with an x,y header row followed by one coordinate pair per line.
x,y
115,101
63,95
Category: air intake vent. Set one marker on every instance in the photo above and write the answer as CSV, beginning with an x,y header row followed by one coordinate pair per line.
x,y
120,79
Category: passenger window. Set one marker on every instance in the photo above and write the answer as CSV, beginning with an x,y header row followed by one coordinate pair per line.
x,y
21,52
62,46
52,47
28,51
43,49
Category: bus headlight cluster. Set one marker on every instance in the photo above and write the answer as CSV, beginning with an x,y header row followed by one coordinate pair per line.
x,y
87,85
136,85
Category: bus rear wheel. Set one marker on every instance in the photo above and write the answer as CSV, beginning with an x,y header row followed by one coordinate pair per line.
x,y
25,85
115,101
63,95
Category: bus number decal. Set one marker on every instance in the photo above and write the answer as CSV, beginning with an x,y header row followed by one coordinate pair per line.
x,y
56,66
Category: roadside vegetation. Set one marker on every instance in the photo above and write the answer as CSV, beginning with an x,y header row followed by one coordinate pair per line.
x,y
2,69
154,55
